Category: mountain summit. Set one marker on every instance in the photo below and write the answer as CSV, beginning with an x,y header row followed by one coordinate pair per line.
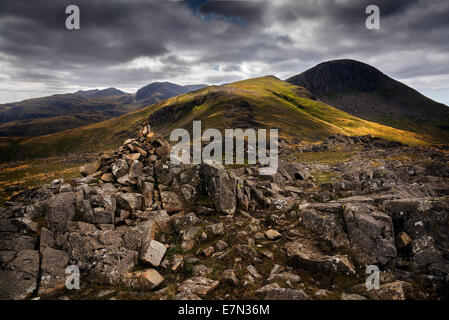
x,y
363,91
159,91
340,76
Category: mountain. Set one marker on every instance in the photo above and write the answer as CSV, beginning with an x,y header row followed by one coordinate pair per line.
x,y
265,102
159,91
365,92
60,112
96,93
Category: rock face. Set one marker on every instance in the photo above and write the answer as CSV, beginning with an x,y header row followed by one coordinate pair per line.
x,y
143,227
60,210
19,280
371,235
53,270
219,187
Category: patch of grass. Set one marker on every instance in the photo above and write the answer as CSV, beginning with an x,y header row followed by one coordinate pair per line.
x,y
327,157
19,176
322,176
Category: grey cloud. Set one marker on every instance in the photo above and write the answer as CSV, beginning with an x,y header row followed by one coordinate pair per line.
x,y
187,36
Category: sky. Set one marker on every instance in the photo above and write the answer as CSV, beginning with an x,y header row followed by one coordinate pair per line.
x,y
130,43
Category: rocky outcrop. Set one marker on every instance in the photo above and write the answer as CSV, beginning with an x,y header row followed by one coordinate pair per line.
x,y
144,227
220,187
371,235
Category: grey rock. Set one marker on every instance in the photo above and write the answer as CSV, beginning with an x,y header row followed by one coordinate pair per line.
x,y
90,168
131,202
60,210
153,253
120,168
144,280
135,170
371,235
286,294
198,285
349,296
229,276
46,239
53,267
187,220
304,253
171,202
147,193
219,187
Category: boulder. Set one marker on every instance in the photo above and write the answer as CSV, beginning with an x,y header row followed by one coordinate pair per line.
x,y
295,170
16,285
131,202
325,220
16,242
60,210
53,266
220,187
198,285
139,237
390,291
144,280
101,255
153,253
272,234
125,180
171,202
371,235
90,168
135,170
119,168
229,276
304,253
19,279
286,294
47,239
147,193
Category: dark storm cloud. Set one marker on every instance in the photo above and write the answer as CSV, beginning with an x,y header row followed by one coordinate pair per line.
x,y
246,12
130,43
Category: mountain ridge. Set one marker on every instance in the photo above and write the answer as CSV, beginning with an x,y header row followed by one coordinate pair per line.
x,y
365,92
60,112
265,102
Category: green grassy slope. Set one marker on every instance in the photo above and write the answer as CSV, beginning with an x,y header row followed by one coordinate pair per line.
x,y
265,102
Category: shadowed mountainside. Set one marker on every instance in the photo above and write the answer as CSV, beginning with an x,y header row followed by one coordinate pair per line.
x,y
159,91
367,93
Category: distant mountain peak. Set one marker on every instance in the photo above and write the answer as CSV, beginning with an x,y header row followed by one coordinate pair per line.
x,y
338,76
97,93
158,91
365,92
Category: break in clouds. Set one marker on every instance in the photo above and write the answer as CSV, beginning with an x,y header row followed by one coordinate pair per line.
x,y
128,44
